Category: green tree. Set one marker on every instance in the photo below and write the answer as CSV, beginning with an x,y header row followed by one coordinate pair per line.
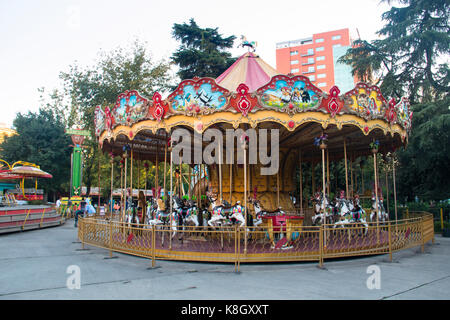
x,y
411,59
202,52
84,88
41,140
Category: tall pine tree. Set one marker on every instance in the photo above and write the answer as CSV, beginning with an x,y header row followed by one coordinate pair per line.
x,y
411,59
202,52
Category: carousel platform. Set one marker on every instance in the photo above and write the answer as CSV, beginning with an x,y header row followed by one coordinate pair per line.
x,y
28,217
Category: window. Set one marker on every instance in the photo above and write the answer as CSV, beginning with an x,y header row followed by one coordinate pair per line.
x,y
310,61
321,66
321,84
320,58
321,75
312,78
310,69
319,40
294,62
335,37
294,70
293,53
319,49
336,45
310,51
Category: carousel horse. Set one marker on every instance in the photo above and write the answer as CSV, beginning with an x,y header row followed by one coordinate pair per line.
x,y
322,209
251,45
162,216
222,214
260,213
186,213
351,214
382,214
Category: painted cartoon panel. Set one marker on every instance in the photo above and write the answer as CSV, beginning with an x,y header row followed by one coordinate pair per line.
x,y
404,114
297,92
196,99
366,101
130,107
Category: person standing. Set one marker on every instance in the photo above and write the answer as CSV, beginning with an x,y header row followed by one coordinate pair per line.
x,y
81,211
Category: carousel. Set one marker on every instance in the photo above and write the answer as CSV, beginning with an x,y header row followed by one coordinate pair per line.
x,y
233,152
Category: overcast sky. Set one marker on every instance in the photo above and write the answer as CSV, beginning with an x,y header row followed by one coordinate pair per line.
x,y
41,38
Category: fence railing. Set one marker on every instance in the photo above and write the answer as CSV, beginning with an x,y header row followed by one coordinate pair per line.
x,y
257,244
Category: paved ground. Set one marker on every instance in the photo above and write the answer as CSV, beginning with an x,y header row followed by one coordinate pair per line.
x,y
33,265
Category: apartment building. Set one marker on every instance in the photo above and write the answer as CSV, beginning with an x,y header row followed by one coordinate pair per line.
x,y
316,58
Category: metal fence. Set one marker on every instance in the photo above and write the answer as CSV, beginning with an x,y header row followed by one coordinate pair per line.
x,y
257,244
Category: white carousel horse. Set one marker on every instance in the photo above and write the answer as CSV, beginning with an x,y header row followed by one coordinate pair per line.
x,y
382,214
351,214
260,213
322,205
220,213
162,217
187,215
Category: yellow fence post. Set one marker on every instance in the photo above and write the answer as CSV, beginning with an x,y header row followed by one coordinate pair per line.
x,y
321,231
390,241
153,245
421,232
110,238
81,224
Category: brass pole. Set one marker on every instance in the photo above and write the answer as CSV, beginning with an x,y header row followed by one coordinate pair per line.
x,y
171,193
125,188
111,198
313,179
190,183
220,172
231,182
395,191
156,169
301,183
165,169
98,184
351,177
328,172
387,190
346,172
376,185
131,176
245,195
278,188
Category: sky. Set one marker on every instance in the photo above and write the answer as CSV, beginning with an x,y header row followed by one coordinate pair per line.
x,y
41,38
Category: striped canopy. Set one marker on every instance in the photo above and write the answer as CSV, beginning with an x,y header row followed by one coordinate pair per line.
x,y
30,172
249,69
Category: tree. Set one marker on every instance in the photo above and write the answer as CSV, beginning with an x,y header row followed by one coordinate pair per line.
x,y
202,52
406,59
86,87
41,140
411,58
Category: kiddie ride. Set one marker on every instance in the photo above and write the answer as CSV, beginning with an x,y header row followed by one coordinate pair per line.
x,y
16,213
234,209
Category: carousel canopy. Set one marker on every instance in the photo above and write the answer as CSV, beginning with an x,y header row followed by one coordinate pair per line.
x,y
251,95
26,171
249,69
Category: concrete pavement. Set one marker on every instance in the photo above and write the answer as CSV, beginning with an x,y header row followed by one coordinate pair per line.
x,y
33,265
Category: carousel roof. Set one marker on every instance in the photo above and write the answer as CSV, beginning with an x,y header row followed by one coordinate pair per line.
x,y
249,69
27,171
250,94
